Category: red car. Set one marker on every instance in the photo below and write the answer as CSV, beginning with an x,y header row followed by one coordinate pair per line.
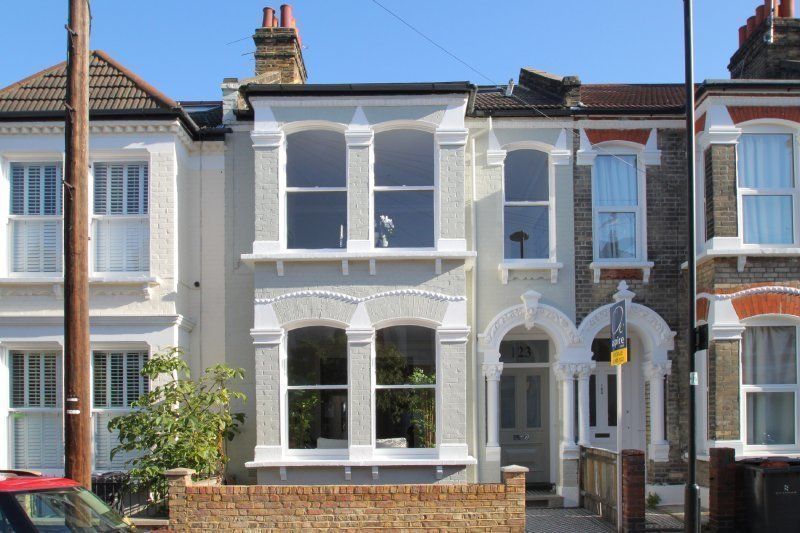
x,y
30,503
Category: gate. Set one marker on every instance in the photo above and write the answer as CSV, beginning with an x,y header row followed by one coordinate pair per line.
x,y
599,489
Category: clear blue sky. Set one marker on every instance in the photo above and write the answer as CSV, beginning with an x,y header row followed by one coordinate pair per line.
x,y
180,45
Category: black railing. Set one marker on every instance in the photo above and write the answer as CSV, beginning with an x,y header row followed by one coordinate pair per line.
x,y
114,488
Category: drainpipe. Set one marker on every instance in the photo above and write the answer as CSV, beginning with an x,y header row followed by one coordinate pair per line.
x,y
479,379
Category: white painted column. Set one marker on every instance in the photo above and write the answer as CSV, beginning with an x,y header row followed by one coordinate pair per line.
x,y
584,436
658,449
565,373
492,371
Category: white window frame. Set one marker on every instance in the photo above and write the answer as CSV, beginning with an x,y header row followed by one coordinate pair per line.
x,y
434,189
310,453
550,204
406,453
285,190
770,320
99,218
770,128
631,150
43,159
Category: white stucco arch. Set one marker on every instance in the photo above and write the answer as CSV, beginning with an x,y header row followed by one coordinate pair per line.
x,y
532,314
417,125
297,126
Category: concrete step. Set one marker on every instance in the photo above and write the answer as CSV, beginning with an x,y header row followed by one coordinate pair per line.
x,y
546,499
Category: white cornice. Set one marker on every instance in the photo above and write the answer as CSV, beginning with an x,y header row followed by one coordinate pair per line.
x,y
356,300
103,320
769,289
267,139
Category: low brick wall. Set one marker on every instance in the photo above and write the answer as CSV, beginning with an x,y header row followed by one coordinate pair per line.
x,y
474,506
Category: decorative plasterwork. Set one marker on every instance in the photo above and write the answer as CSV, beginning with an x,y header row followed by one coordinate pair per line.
x,y
270,337
526,269
495,158
452,335
267,139
657,370
356,299
769,289
493,371
545,316
21,128
359,337
565,371
451,137
359,137
645,319
530,300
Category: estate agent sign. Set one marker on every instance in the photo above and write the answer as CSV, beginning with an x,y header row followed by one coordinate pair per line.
x,y
619,333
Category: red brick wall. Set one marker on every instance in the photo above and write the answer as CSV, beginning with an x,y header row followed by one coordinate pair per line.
x,y
495,506
633,514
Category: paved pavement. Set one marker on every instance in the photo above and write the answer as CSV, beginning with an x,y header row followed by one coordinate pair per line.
x,y
582,521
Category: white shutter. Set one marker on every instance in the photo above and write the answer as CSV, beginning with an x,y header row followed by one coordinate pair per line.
x,y
17,190
36,246
105,441
38,441
100,188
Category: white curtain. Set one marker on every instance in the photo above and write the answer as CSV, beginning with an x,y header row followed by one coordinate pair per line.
x,y
768,219
770,418
616,235
765,161
615,181
769,355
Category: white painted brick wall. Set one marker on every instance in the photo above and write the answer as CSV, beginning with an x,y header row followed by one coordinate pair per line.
x,y
267,366
267,161
453,361
451,192
358,163
360,357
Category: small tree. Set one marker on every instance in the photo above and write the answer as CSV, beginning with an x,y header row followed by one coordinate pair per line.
x,y
180,423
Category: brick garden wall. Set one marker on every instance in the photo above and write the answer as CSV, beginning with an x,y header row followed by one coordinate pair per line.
x,y
490,506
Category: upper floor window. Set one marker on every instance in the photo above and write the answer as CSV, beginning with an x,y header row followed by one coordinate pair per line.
x,y
767,188
36,236
404,189
316,190
121,222
317,388
526,210
405,395
117,379
770,385
618,216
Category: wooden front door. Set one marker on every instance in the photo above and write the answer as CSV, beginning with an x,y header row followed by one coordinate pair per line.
x,y
524,421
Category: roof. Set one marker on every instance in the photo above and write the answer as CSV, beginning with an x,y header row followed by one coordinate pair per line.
x,y
114,92
594,98
28,483
112,88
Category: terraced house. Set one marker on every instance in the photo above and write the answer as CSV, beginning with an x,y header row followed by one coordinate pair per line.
x,y
417,276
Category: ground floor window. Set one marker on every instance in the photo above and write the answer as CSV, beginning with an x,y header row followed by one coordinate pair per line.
x,y
405,390
317,388
769,385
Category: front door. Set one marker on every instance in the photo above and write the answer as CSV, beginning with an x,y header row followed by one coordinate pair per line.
x,y
524,415
603,406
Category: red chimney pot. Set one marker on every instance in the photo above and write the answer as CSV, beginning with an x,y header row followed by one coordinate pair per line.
x,y
269,18
751,25
787,9
760,15
742,35
286,16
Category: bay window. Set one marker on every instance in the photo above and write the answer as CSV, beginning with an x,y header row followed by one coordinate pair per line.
x,y
317,388
405,387
526,211
618,215
404,189
769,385
316,190
36,235
116,383
767,188
36,431
121,221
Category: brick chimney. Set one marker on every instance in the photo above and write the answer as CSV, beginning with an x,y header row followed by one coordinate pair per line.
x,y
279,53
769,44
565,88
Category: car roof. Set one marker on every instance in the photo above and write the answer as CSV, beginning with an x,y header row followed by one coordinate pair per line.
x,y
29,483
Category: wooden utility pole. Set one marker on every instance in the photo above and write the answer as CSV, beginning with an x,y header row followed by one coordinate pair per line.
x,y
77,400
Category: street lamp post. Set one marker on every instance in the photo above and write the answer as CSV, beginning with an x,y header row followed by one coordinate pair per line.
x,y
691,500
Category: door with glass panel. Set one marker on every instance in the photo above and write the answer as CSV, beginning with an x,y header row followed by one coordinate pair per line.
x,y
524,408
603,406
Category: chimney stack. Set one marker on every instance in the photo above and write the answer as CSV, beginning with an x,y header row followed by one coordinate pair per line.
x,y
769,44
279,51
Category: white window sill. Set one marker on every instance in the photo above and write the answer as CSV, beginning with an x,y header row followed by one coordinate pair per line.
x,y
371,256
144,281
645,266
535,269
742,253
382,461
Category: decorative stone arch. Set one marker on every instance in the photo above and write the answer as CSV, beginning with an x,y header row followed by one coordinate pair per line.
x,y
417,125
529,314
655,333
309,125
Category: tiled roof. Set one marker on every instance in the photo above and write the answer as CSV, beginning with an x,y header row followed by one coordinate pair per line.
x,y
594,97
206,114
112,88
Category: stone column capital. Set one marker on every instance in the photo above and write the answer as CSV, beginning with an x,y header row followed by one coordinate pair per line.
x,y
657,370
492,371
564,371
359,336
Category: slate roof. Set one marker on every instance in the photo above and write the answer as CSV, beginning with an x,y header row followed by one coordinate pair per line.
x,y
113,88
611,98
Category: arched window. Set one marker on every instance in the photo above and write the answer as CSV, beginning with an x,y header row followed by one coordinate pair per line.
x,y
316,190
526,210
767,188
404,186
405,395
317,388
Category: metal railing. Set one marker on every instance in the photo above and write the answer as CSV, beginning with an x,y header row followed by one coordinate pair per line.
x,y
114,488
598,482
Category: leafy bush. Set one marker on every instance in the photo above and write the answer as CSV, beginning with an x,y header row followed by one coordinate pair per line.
x,y
652,500
182,422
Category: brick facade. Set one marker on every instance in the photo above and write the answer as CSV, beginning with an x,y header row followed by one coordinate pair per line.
x,y
723,390
278,50
758,59
633,487
720,191
477,507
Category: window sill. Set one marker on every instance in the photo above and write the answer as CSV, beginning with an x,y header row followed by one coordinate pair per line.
x,y
533,269
143,281
382,461
741,254
371,256
644,266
